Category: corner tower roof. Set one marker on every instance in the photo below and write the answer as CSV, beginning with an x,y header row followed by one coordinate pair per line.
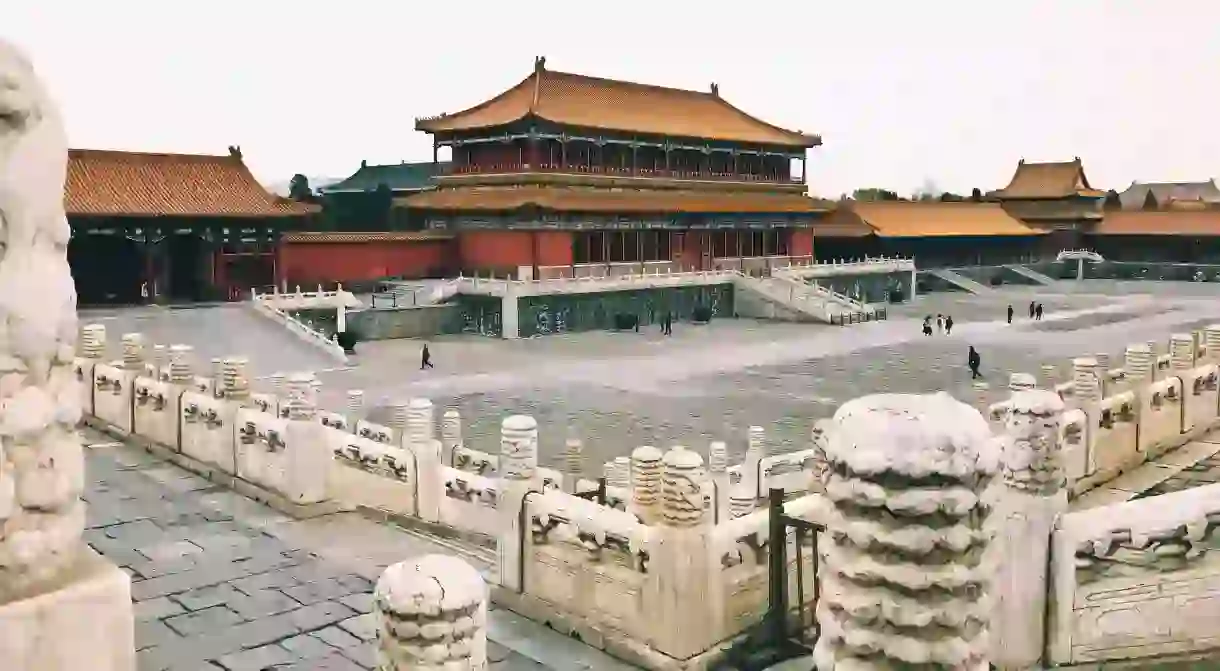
x,y
613,105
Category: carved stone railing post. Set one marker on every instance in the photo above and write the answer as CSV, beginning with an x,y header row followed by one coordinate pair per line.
x,y
621,475
574,463
398,421
1182,351
645,483
420,438
686,603
217,373
63,607
982,391
1021,382
308,454
1049,376
133,352
756,449
355,406
1154,347
897,592
518,477
821,469
718,467
158,363
432,616
277,385
1032,498
451,435
233,381
1138,365
181,373
93,341
1211,339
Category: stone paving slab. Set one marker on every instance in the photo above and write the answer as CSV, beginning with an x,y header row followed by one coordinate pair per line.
x,y
222,582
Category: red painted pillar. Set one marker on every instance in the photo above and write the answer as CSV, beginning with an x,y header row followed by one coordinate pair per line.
x,y
277,262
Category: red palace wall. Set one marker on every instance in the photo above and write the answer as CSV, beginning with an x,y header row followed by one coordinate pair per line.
x,y
505,251
801,243
307,263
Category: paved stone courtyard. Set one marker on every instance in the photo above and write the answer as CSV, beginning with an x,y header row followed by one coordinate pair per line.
x,y
222,582
621,390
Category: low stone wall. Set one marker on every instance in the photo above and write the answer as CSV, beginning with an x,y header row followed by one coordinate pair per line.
x,y
422,321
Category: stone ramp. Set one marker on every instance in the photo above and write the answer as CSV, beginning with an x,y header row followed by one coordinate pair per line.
x,y
961,281
1033,275
217,331
222,582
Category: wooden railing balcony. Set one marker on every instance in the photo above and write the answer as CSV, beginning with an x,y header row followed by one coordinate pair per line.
x,y
647,173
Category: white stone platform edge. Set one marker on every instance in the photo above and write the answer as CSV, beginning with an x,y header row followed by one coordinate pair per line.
x,y
86,623
613,643
246,488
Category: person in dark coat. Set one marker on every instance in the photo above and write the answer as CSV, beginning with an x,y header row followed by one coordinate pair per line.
x,y
974,361
948,324
927,325
1033,307
667,323
1010,311
425,358
1038,312
940,323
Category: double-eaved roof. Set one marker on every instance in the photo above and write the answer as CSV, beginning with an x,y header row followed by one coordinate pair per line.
x,y
582,101
1048,181
107,183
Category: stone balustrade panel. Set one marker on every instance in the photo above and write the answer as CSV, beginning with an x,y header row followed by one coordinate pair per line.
x,y
156,411
112,395
207,430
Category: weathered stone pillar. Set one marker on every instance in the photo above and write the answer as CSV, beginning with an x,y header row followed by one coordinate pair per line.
x,y
217,377
432,616
686,611
899,591
1103,362
1032,498
63,607
645,483
622,476
574,463
718,465
277,385
1182,351
451,435
420,438
397,421
1156,354
158,363
518,477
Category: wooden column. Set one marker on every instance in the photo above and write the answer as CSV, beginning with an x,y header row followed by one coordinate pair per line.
x,y
804,163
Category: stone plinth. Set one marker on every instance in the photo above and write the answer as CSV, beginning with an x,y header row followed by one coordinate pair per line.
x,y
432,614
83,622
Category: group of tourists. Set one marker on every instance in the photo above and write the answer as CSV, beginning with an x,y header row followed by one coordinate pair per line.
x,y
1035,311
944,324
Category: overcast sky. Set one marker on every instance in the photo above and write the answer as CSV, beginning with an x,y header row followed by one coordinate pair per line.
x,y
901,91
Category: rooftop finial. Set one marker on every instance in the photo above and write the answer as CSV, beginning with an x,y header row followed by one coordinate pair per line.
x,y
364,163
1022,161
539,63
715,89
235,151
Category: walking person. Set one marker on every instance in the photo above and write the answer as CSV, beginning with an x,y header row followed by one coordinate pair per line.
x,y
940,323
973,360
667,324
927,325
1038,313
1032,309
1010,311
948,324
425,358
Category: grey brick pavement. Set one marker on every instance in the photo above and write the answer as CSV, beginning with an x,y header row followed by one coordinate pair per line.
x,y
222,582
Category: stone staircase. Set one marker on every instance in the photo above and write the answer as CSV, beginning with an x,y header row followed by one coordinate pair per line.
x,y
1032,274
961,281
798,301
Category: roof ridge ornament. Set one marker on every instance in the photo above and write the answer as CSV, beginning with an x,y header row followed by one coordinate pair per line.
x,y
235,151
715,89
539,63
